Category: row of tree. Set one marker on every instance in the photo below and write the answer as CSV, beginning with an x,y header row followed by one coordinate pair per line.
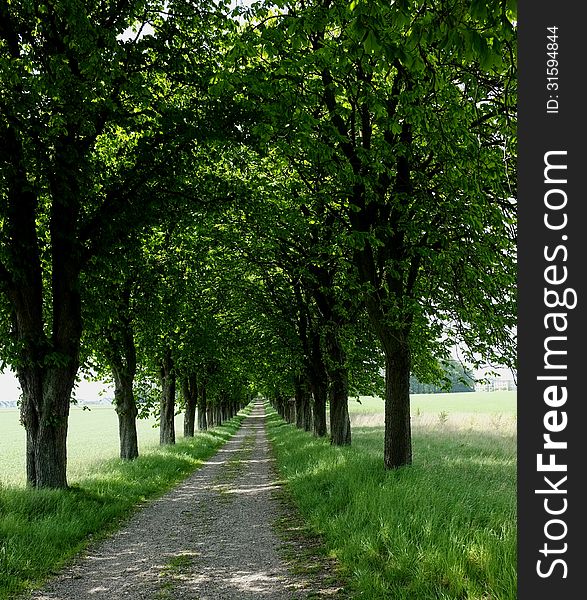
x,y
284,198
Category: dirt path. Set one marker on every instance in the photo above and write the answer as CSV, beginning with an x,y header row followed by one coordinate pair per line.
x,y
208,539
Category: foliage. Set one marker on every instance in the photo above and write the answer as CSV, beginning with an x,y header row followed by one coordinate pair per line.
x,y
451,376
253,191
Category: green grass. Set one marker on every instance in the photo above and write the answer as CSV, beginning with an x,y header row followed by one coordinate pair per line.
x,y
41,530
92,436
444,528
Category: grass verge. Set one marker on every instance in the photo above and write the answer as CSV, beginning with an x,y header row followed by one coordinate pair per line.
x,y
40,530
443,529
304,551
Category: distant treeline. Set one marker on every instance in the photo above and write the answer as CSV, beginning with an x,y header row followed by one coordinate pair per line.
x,y
456,379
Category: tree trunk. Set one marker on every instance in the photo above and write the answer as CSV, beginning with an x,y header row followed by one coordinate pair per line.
x,y
398,435
122,355
395,340
167,415
318,379
49,438
190,397
51,451
319,392
31,384
299,401
202,408
303,406
44,413
340,424
46,396
291,410
127,412
308,421
47,345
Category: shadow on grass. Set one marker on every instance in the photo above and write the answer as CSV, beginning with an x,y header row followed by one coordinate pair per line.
x,y
41,529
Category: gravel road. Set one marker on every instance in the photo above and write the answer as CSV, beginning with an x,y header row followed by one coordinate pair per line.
x,y
210,538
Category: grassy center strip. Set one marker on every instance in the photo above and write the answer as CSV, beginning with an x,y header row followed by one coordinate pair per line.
x,y
444,528
40,530
234,468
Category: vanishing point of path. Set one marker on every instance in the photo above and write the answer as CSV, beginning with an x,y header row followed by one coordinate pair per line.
x,y
210,538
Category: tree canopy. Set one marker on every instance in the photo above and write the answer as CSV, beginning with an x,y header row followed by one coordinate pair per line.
x,y
286,198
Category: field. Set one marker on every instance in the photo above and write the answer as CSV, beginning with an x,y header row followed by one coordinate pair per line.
x,y
444,528
471,402
474,411
92,437
93,434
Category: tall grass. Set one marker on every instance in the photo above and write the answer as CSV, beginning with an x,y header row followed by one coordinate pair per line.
x,y
480,411
444,528
40,530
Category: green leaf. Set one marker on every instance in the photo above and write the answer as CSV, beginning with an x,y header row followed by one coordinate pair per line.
x,y
371,43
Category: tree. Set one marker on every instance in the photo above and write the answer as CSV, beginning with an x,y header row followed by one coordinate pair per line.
x,y
408,108
109,338
88,130
450,376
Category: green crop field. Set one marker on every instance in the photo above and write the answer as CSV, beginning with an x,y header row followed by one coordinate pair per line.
x,y
92,437
471,402
479,411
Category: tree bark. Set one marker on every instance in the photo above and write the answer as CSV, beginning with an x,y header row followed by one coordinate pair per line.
x,y
303,406
281,406
31,384
167,415
319,393
202,408
299,393
127,412
122,355
46,395
319,385
190,397
398,434
308,421
340,424
51,445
